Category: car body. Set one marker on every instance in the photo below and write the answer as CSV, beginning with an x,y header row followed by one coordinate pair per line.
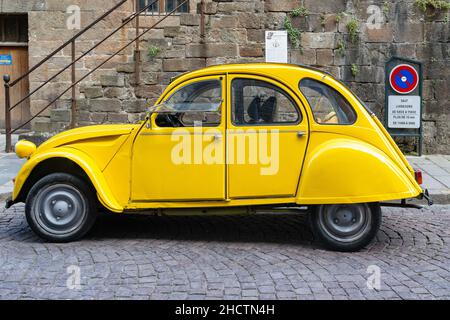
x,y
317,145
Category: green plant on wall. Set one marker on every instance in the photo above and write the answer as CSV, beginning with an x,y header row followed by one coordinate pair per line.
x,y
340,49
386,8
153,51
354,69
299,12
339,17
424,5
323,20
353,29
295,34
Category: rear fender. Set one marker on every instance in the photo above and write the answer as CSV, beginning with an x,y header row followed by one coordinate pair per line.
x,y
347,170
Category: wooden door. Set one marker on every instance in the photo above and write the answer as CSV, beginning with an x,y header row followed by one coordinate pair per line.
x,y
19,66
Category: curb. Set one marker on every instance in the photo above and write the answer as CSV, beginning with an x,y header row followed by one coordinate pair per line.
x,y
4,196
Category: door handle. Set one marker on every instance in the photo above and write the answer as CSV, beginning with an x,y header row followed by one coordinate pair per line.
x,y
215,137
301,133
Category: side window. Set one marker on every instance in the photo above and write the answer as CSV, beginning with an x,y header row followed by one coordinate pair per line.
x,y
328,105
259,102
193,103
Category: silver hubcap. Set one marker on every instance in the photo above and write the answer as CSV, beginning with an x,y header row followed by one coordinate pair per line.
x,y
60,208
345,223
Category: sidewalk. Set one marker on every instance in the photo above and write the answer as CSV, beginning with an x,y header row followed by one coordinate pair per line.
x,y
436,175
435,168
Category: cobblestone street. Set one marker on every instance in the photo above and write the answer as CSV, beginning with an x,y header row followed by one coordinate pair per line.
x,y
249,257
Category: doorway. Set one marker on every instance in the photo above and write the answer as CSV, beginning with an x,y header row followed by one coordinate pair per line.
x,y
14,62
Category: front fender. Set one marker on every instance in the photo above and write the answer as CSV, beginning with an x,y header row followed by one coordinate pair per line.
x,y
346,170
80,158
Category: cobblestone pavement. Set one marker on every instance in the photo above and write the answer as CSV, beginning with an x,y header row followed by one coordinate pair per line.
x,y
250,257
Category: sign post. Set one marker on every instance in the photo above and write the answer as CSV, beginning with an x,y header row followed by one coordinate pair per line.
x,y
403,114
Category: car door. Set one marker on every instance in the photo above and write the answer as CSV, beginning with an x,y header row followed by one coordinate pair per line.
x,y
181,156
266,138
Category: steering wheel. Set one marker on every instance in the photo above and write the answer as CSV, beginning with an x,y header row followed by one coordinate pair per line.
x,y
174,120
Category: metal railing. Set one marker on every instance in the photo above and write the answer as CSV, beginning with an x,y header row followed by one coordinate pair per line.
x,y
72,41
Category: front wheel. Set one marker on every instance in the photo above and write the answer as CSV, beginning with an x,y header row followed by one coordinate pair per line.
x,y
346,227
61,207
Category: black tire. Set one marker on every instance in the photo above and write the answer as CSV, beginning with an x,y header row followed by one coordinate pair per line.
x,y
61,207
346,227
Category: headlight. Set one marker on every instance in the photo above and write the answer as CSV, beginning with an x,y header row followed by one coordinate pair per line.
x,y
24,148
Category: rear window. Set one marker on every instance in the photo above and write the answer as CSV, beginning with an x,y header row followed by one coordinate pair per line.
x,y
327,104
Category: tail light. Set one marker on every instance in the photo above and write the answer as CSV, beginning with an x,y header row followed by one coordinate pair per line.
x,y
418,176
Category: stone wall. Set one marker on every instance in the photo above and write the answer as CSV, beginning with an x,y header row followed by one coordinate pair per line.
x,y
235,33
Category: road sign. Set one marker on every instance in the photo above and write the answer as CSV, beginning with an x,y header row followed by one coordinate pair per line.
x,y
404,78
277,46
403,114
5,59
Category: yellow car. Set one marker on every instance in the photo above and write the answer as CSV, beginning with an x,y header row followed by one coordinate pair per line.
x,y
228,139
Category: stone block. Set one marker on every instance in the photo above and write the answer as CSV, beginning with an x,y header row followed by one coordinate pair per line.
x,y
335,6
60,115
409,32
134,106
223,22
117,118
307,57
148,91
210,8
325,57
173,65
282,5
209,50
23,6
255,35
171,32
104,105
112,80
41,124
98,117
93,92
318,40
250,20
255,50
116,92
383,34
189,19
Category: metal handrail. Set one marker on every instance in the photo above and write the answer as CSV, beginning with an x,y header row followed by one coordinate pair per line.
x,y
131,17
9,108
77,35
98,67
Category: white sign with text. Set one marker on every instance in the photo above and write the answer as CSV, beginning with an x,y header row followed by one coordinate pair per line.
x,y
404,112
277,46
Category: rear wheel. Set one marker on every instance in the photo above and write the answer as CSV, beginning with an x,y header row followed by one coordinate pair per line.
x,y
346,227
61,207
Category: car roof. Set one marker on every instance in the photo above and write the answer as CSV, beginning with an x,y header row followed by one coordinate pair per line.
x,y
253,67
